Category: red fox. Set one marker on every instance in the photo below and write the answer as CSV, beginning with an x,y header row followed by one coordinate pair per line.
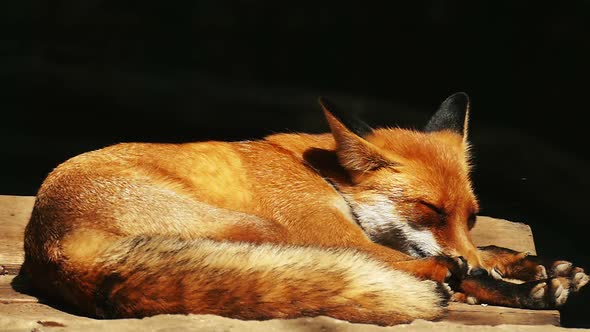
x,y
364,225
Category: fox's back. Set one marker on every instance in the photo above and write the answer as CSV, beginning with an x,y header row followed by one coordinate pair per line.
x,y
188,189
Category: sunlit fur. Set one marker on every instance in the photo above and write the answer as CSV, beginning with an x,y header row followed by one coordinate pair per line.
x,y
431,168
379,218
282,227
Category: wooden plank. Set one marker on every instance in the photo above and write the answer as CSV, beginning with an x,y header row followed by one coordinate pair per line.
x,y
15,212
38,314
43,315
494,315
12,291
503,233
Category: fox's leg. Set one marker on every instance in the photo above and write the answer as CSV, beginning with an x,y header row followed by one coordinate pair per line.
x,y
442,269
507,263
538,294
540,289
547,284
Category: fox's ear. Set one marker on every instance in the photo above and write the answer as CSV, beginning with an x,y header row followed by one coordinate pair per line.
x,y
347,120
354,152
453,115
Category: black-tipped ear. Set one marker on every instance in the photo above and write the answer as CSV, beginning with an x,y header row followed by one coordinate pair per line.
x,y
351,122
453,115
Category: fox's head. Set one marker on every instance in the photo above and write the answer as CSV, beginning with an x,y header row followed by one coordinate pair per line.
x,y
411,189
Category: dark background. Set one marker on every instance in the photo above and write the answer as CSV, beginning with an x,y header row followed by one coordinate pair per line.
x,y
80,75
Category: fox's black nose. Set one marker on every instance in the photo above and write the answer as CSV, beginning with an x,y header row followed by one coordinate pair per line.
x,y
478,272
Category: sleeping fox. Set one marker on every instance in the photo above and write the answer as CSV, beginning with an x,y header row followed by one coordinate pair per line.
x,y
364,225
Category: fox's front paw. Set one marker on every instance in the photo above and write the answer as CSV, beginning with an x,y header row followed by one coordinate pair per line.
x,y
457,269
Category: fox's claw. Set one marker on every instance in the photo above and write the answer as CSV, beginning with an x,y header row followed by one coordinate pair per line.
x,y
576,276
457,270
559,292
460,269
566,271
579,279
540,273
550,293
560,268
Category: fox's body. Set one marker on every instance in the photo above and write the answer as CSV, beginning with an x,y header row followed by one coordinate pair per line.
x,y
294,224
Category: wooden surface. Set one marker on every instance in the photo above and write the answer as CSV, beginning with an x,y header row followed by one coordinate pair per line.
x,y
494,315
9,295
14,215
15,211
503,233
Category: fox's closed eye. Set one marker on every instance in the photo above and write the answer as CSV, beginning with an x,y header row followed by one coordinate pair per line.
x,y
433,207
430,214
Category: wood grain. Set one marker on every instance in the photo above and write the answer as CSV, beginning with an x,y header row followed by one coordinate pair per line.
x,y
503,233
493,315
15,212
8,293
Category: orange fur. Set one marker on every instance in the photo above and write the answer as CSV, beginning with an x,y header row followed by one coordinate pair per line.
x,y
291,225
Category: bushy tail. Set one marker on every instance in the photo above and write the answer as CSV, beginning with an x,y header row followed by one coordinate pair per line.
x,y
148,275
